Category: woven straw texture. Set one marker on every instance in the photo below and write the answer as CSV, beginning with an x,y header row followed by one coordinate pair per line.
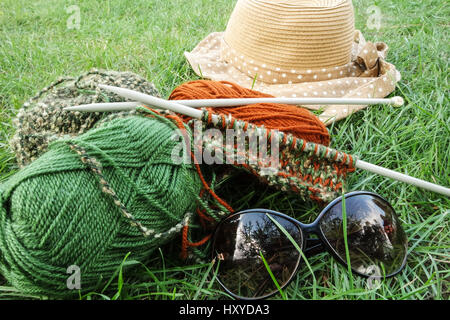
x,y
289,35
297,49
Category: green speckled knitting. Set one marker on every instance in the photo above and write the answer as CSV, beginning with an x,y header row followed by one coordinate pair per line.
x,y
41,120
311,170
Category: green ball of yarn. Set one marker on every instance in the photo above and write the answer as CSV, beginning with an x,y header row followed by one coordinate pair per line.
x,y
58,212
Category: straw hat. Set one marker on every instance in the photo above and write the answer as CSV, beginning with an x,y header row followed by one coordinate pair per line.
x,y
297,48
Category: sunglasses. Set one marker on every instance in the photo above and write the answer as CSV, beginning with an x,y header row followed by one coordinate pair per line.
x,y
258,249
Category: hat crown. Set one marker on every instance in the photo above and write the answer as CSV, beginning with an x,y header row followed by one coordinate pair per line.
x,y
292,34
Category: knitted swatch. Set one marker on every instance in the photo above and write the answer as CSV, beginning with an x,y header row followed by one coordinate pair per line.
x,y
311,170
42,119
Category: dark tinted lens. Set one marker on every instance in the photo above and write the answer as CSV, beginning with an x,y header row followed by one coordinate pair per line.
x,y
376,241
239,242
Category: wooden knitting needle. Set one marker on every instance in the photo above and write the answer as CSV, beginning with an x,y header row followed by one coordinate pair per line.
x,y
195,113
200,103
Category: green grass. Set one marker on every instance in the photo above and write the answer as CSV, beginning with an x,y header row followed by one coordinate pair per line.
x,y
149,38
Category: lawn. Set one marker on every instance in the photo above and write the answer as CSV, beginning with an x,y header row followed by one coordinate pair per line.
x,y
148,37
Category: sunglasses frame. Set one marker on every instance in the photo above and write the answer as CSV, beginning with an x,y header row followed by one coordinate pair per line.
x,y
306,229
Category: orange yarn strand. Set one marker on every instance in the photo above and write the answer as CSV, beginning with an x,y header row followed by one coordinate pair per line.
x,y
298,121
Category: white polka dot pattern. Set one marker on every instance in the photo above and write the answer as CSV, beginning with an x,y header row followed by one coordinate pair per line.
x,y
367,76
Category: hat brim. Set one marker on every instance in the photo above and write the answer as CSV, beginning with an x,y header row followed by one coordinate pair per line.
x,y
377,81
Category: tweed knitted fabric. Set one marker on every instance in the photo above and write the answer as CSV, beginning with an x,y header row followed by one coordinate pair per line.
x,y
90,200
42,119
311,170
287,118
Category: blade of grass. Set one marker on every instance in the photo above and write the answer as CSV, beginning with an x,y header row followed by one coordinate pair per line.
x,y
202,282
347,252
295,244
283,295
120,279
254,81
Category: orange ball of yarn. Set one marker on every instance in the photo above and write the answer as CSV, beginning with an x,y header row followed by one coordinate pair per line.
x,y
298,121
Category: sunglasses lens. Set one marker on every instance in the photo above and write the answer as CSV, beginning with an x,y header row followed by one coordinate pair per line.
x,y
239,243
377,244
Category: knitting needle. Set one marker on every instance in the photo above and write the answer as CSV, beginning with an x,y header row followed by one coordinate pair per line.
x,y
105,107
402,177
194,113
153,101
200,103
